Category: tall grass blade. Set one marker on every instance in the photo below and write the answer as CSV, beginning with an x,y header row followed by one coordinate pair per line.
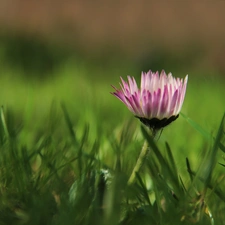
x,y
212,161
69,124
197,127
189,170
144,189
4,122
172,164
167,168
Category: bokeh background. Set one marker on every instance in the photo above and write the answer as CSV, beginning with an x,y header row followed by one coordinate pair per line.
x,y
149,34
74,50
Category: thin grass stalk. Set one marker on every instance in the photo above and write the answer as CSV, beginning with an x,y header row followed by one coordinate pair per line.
x,y
139,163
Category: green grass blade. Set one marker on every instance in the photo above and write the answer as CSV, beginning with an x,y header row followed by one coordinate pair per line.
x,y
197,127
215,148
168,170
4,122
171,162
222,147
143,188
69,124
189,170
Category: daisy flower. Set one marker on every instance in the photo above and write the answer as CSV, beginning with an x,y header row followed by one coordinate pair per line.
x,y
157,102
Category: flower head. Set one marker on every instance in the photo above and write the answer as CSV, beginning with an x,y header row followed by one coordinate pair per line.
x,y
157,102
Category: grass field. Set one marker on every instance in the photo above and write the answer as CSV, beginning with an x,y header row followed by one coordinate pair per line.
x,y
68,147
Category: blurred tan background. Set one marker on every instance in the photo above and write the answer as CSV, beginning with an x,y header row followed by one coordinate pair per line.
x,y
181,32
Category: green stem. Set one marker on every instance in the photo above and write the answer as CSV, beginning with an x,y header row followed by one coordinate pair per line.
x,y
139,163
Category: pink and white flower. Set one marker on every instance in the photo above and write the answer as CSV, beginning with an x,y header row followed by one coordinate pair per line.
x,y
157,102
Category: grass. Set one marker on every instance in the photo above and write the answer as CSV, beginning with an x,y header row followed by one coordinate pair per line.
x,y
68,147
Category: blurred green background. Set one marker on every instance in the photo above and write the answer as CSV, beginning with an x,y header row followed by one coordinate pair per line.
x,y
73,52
